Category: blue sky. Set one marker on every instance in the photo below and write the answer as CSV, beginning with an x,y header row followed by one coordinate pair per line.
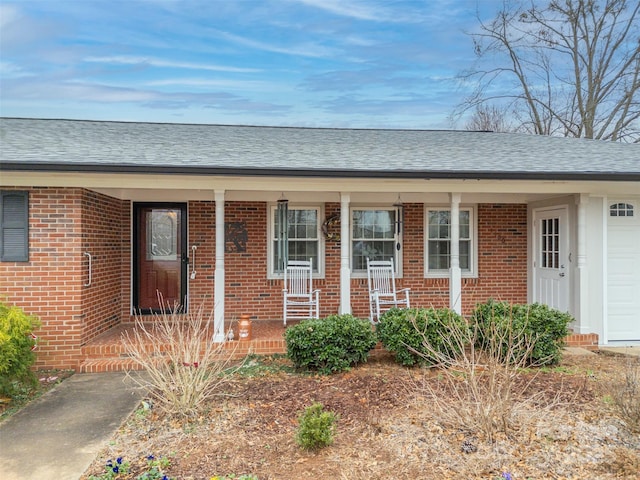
x,y
315,63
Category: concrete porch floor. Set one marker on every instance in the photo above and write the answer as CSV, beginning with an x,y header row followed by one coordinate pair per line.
x,y
106,353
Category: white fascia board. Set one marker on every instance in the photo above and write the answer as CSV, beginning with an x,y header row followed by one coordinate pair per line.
x,y
127,182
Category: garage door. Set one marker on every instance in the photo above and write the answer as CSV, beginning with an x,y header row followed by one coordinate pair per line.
x,y
623,270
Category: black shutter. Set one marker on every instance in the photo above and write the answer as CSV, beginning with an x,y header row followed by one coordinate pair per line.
x,y
14,226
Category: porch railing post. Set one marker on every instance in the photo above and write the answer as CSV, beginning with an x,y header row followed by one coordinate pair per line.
x,y
345,255
218,292
582,273
455,274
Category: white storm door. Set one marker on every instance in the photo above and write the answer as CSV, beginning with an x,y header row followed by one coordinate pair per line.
x,y
551,246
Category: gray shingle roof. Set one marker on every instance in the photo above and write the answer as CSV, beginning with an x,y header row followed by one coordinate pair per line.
x,y
72,145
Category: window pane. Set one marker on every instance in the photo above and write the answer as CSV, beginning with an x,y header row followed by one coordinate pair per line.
x,y
464,254
464,224
373,237
438,255
302,232
439,239
162,237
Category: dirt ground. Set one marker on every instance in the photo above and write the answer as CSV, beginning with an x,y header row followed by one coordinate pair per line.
x,y
388,427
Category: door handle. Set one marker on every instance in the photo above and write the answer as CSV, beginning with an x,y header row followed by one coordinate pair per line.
x,y
561,274
88,282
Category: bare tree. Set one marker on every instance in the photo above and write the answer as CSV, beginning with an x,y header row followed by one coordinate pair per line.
x,y
490,118
570,67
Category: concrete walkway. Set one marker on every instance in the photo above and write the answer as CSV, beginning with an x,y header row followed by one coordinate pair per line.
x,y
627,350
60,434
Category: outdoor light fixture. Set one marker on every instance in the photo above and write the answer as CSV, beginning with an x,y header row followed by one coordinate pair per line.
x,y
399,206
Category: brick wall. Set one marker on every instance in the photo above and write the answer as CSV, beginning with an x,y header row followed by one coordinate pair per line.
x,y
502,261
502,257
63,224
49,285
248,291
103,225
202,234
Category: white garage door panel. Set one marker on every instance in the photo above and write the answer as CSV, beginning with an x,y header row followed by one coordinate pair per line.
x,y
623,278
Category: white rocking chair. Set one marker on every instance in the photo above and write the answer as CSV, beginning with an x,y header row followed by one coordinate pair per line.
x,y
301,301
382,289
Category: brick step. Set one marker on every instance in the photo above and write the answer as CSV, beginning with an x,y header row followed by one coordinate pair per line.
x,y
588,341
108,365
113,357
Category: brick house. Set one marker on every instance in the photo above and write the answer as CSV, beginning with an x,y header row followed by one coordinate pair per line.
x,y
98,216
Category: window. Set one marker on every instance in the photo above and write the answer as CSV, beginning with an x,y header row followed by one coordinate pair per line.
x,y
163,230
621,210
550,243
304,237
14,226
373,236
438,241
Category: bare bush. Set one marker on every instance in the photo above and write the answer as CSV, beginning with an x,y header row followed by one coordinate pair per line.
x,y
183,367
625,393
480,391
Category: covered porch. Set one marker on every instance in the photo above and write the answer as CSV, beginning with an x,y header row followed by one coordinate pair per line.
x,y
465,216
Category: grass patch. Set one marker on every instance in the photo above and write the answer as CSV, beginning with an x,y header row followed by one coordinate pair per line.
x,y
255,366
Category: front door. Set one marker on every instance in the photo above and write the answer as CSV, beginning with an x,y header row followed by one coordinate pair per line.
x,y
550,250
160,264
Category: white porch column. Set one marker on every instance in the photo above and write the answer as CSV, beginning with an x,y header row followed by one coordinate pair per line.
x,y
455,274
582,272
345,255
218,292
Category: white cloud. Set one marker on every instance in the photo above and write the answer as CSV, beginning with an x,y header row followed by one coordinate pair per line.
x,y
8,15
10,70
207,83
304,50
156,62
360,11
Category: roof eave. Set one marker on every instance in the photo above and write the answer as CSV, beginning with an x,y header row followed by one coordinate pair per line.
x,y
319,173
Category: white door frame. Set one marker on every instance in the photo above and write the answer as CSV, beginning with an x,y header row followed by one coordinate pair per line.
x,y
558,257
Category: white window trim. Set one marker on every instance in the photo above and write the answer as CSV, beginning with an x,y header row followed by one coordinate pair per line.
x,y
398,238
271,208
473,223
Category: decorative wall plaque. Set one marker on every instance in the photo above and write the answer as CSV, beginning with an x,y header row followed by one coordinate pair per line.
x,y
235,237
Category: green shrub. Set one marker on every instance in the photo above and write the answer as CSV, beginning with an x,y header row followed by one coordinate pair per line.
x,y
405,331
316,427
543,327
329,345
16,354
